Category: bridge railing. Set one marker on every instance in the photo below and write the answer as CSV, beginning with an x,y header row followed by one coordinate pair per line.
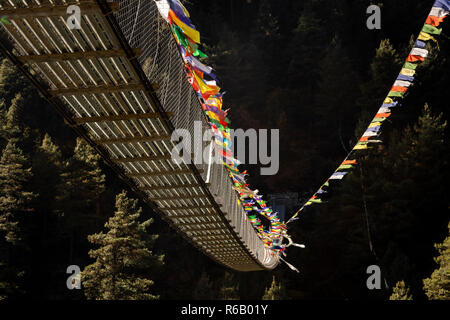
x,y
143,27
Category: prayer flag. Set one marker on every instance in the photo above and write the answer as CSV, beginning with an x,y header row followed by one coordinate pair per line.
x,y
438,12
444,4
188,31
431,30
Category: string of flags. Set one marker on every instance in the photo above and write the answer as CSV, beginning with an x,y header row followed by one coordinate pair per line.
x,y
205,84
371,137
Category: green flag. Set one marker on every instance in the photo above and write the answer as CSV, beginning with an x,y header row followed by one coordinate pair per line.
x,y
410,66
431,29
396,94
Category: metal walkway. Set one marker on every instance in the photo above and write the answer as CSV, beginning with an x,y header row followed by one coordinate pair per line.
x,y
120,83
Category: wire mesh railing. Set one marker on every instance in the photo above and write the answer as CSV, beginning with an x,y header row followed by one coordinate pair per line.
x,y
143,27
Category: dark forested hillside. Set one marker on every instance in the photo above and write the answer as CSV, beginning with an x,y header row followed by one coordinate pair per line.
x,y
310,68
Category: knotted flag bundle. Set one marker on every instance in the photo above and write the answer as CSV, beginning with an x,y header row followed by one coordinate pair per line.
x,y
370,138
205,84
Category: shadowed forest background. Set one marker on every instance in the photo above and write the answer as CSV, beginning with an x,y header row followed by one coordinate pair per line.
x,y
310,68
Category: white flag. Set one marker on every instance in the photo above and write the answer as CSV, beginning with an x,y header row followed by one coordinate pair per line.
x,y
384,110
370,134
438,12
163,8
419,52
401,83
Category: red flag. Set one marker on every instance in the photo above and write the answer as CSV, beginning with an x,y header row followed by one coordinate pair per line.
x,y
382,115
192,81
412,58
434,21
399,89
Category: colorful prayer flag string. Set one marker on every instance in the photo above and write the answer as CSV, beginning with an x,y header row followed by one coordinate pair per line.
x,y
204,82
418,54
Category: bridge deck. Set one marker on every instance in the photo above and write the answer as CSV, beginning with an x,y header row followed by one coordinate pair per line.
x,y
126,102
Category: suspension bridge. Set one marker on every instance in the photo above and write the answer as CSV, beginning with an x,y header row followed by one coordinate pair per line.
x,y
119,81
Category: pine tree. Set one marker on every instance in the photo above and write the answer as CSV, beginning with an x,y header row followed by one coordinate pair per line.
x,y
204,289
82,184
12,82
9,279
83,181
304,68
124,258
385,65
400,292
437,286
266,33
14,199
229,289
12,127
277,291
47,228
334,113
47,167
430,132
15,203
403,190
3,113
391,199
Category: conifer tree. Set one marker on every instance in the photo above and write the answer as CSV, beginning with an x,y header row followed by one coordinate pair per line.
x,y
83,180
266,35
335,100
385,65
12,82
14,197
11,128
9,279
401,292
204,289
123,260
276,291
229,289
388,199
82,184
48,230
303,68
47,168
437,286
3,113
15,203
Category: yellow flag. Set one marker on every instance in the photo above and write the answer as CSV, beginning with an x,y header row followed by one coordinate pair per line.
x,y
374,124
204,88
214,102
425,36
407,72
188,31
212,115
388,100
360,147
